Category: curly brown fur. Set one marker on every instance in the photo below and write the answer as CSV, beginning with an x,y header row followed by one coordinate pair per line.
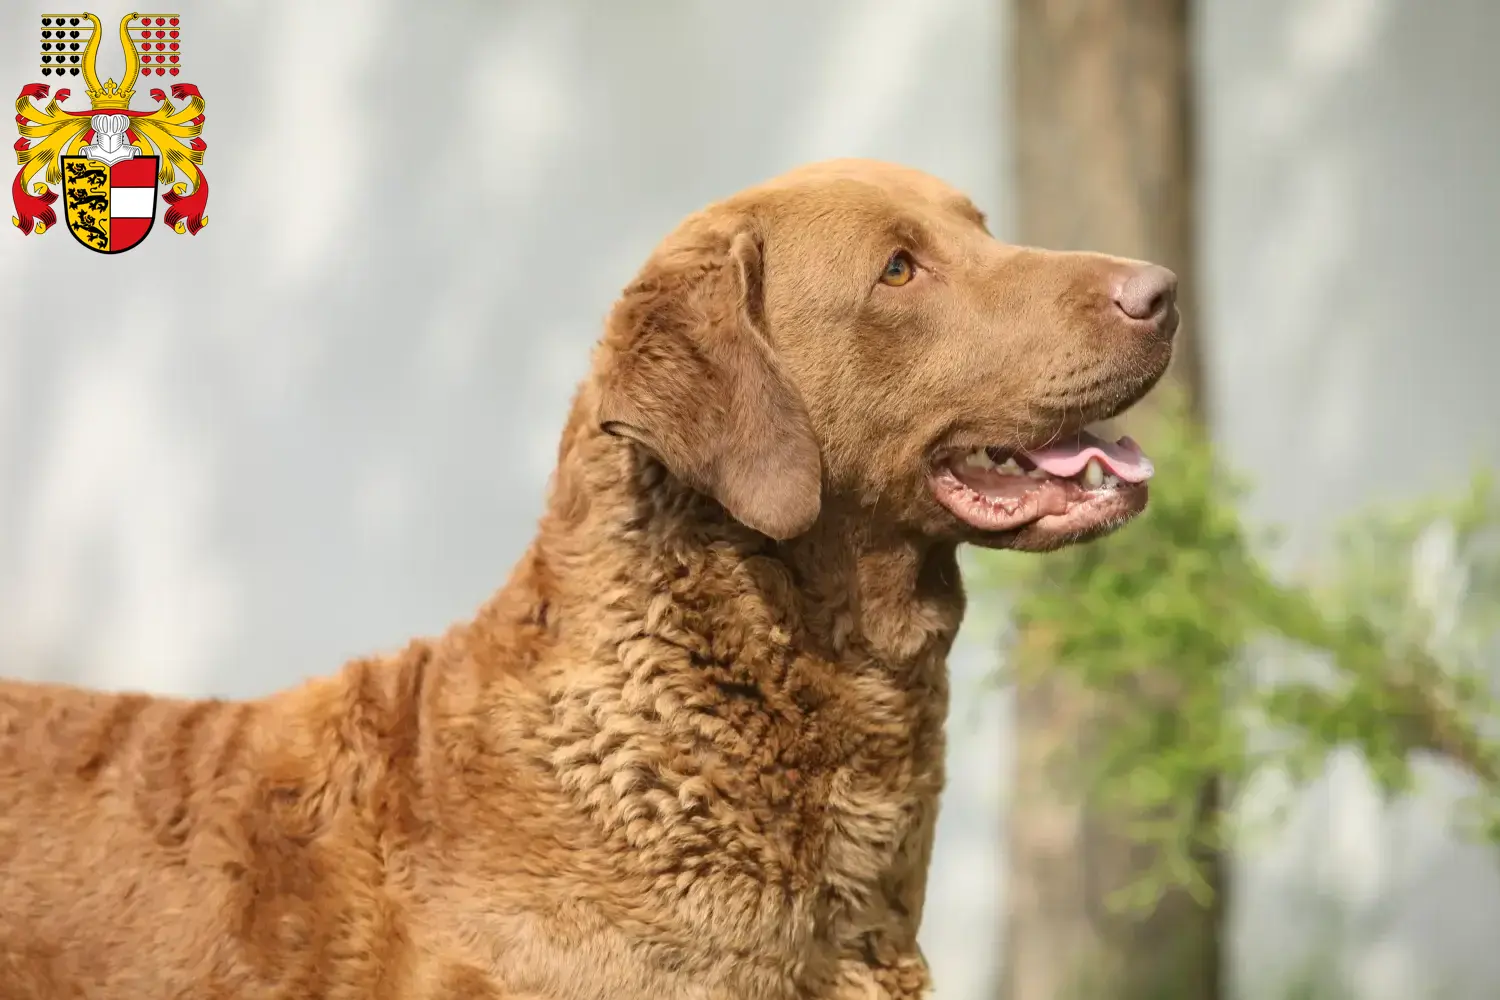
x,y
692,748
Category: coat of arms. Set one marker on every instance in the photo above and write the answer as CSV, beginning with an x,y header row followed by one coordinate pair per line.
x,y
110,159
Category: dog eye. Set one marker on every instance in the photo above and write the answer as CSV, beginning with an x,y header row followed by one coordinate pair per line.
x,y
898,270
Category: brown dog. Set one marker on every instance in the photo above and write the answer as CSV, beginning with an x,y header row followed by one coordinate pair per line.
x,y
693,748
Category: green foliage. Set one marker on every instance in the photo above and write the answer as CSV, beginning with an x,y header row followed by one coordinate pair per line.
x,y
1388,649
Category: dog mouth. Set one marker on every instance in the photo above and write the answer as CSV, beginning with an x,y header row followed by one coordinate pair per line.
x,y
1074,487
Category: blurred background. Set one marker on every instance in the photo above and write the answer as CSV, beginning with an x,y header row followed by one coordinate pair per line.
x,y
324,424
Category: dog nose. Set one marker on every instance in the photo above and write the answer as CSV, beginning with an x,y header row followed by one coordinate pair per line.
x,y
1147,293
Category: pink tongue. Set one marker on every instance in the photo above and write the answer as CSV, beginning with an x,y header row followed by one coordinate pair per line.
x,y
1123,458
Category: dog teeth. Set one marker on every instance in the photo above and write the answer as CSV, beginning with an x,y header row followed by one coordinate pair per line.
x,y
980,459
1111,481
1011,468
1093,474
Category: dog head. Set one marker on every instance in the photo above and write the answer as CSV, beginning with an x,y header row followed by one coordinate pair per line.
x,y
851,333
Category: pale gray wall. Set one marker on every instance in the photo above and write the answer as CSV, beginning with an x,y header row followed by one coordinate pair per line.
x,y
325,424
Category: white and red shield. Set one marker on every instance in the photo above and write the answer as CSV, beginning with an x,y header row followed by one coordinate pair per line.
x,y
110,206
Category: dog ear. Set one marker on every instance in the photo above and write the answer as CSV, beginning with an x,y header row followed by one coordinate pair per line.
x,y
695,381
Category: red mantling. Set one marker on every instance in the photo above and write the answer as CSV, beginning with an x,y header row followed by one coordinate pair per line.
x,y
188,208
31,208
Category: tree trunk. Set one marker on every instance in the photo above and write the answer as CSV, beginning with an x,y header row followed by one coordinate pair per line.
x,y
1103,102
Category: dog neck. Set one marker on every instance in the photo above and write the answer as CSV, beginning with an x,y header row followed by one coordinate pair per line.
x,y
876,592
620,535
